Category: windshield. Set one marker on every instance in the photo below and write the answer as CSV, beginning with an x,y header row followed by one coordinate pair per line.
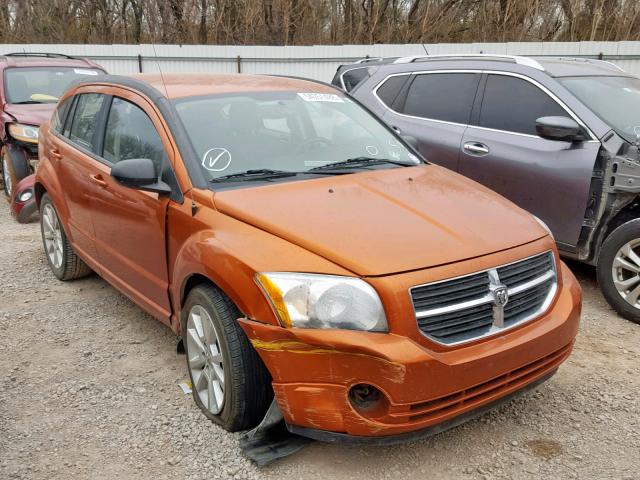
x,y
284,131
616,100
41,84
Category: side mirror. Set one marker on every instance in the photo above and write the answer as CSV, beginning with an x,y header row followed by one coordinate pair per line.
x,y
559,128
139,173
411,140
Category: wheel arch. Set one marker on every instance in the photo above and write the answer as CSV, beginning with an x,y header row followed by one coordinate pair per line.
x,y
191,282
630,211
39,190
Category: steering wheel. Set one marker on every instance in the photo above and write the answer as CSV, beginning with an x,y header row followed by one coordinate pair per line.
x,y
312,143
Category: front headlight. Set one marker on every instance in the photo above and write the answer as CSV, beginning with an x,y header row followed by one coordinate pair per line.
x,y
24,133
26,195
305,300
544,225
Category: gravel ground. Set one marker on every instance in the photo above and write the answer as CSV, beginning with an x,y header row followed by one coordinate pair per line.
x,y
89,389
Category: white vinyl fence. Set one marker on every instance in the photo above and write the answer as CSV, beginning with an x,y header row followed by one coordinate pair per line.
x,y
318,61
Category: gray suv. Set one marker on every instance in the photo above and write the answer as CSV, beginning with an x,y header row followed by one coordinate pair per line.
x,y
559,137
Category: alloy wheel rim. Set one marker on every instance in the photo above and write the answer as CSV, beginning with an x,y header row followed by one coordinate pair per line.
x,y
6,177
626,272
52,234
205,359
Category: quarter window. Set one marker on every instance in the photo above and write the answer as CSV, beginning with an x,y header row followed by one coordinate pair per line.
x,y
353,77
514,105
83,127
442,96
389,90
57,120
131,134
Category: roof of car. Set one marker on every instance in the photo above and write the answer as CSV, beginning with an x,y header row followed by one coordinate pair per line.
x,y
553,66
45,60
173,85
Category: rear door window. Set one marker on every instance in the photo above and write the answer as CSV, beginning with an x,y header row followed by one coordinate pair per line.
x,y
83,126
512,104
446,97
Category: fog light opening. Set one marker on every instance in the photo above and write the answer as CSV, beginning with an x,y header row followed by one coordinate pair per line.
x,y
365,397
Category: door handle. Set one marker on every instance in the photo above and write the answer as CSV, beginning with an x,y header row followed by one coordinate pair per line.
x,y
56,154
476,148
98,180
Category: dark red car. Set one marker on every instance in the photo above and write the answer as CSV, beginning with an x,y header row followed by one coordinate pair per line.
x,y
30,85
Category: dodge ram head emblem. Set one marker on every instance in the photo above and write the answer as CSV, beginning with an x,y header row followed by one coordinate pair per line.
x,y
500,295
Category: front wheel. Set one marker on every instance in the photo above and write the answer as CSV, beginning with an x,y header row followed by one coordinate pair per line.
x,y
230,383
619,270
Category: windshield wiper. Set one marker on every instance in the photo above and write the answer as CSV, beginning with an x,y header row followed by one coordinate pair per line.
x,y
258,174
361,162
266,173
26,102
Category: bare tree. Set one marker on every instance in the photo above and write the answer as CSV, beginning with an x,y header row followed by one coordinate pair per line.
x,y
308,22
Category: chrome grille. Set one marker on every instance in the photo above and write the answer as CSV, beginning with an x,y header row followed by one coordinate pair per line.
x,y
470,307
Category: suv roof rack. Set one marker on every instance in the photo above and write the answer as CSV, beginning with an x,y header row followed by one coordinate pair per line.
x,y
369,59
39,54
594,61
527,61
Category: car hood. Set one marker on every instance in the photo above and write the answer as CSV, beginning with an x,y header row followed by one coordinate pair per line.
x,y
386,221
31,114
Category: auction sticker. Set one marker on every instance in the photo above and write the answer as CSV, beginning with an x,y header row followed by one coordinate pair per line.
x,y
84,71
320,97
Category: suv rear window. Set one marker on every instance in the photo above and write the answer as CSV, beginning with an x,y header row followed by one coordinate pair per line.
x,y
513,105
442,96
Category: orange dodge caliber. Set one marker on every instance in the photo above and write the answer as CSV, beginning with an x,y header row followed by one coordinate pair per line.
x,y
308,258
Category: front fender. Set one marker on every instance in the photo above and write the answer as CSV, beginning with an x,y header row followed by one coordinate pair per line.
x,y
229,252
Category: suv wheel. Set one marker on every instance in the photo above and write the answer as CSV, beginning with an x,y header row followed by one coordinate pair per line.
x,y
64,262
15,166
619,270
229,381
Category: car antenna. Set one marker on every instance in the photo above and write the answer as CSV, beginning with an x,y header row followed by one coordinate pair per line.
x,y
425,49
194,207
155,57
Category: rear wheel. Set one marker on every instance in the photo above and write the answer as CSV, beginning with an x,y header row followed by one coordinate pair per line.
x,y
619,270
64,262
230,384
15,167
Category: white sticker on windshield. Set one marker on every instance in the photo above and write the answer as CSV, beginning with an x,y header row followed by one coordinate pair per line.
x,y
84,71
216,159
320,97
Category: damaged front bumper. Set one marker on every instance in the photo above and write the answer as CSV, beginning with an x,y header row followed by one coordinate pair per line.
x,y
422,391
335,437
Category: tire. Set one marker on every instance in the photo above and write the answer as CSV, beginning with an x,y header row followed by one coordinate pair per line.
x,y
63,261
618,270
15,167
246,390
